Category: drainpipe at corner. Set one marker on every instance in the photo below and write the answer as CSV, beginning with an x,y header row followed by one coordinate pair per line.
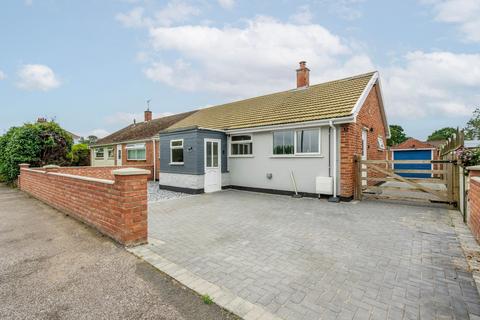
x,y
334,167
154,162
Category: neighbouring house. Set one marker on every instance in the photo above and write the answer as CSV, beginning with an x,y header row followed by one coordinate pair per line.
x,y
134,145
74,136
413,149
304,140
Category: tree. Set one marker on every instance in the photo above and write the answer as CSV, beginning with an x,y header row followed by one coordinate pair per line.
x,y
472,130
442,134
397,135
80,155
38,144
89,140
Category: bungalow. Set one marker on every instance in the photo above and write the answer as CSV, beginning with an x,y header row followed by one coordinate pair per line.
x,y
136,144
302,140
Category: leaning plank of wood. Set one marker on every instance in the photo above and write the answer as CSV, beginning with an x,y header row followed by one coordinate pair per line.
x,y
414,184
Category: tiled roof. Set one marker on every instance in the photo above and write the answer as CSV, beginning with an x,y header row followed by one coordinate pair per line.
x,y
412,143
142,130
327,100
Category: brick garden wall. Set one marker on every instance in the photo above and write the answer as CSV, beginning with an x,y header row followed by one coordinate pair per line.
x,y
117,208
351,142
474,205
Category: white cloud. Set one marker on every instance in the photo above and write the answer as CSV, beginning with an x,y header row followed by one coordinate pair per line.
x,y
464,13
126,118
345,9
302,16
99,133
436,84
243,61
227,4
2,75
37,77
174,12
28,3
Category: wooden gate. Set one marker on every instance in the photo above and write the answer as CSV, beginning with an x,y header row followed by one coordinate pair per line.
x,y
379,179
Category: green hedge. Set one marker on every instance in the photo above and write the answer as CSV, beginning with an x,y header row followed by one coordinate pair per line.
x,y
37,144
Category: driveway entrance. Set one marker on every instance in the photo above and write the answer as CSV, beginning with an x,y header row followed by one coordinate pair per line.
x,y
311,259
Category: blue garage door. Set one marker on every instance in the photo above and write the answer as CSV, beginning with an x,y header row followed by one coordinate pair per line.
x,y
413,155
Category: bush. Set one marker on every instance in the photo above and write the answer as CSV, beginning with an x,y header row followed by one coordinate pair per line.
x,y
37,144
80,155
468,157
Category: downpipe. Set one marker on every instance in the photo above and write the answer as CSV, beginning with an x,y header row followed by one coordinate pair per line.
x,y
334,198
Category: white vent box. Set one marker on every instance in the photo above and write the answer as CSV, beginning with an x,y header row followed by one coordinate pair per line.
x,y
324,185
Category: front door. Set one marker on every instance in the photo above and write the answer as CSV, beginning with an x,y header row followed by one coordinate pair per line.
x,y
119,154
213,171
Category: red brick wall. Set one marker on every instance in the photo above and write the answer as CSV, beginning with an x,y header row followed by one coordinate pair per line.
x,y
351,141
116,208
474,206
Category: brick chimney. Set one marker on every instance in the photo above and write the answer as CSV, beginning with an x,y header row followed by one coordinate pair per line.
x,y
41,120
303,75
148,115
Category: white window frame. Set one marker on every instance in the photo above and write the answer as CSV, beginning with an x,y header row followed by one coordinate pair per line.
x,y
380,143
308,153
240,142
300,154
136,146
113,153
176,147
96,150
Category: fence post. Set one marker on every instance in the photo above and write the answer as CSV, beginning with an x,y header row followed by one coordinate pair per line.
x,y
358,178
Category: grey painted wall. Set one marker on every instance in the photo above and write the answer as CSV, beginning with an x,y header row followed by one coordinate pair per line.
x,y
252,171
193,151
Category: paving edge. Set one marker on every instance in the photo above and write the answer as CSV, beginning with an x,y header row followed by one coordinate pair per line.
x,y
470,247
221,296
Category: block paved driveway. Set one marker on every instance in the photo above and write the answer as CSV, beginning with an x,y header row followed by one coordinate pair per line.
x,y
310,259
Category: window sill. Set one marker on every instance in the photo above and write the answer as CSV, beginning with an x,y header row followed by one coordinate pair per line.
x,y
241,156
136,159
296,156
176,163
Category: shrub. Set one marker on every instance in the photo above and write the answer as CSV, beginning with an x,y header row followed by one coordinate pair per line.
x,y
37,144
468,157
80,155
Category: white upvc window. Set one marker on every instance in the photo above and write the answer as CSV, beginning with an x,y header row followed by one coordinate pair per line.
x,y
110,153
99,153
241,145
301,142
176,151
380,143
307,141
136,152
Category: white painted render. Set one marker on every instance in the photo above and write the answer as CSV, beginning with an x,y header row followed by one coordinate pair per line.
x,y
190,181
251,171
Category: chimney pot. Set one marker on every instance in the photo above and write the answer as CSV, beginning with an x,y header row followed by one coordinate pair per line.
x,y
303,75
148,115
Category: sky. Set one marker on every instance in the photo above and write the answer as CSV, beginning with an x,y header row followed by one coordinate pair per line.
x,y
91,65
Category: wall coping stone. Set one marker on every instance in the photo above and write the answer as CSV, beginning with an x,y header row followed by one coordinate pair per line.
x,y
474,168
50,166
130,172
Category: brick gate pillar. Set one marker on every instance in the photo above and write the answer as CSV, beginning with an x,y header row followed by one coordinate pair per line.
x,y
132,204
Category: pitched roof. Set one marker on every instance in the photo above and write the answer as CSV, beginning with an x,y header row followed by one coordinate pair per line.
x,y
142,130
327,100
412,143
